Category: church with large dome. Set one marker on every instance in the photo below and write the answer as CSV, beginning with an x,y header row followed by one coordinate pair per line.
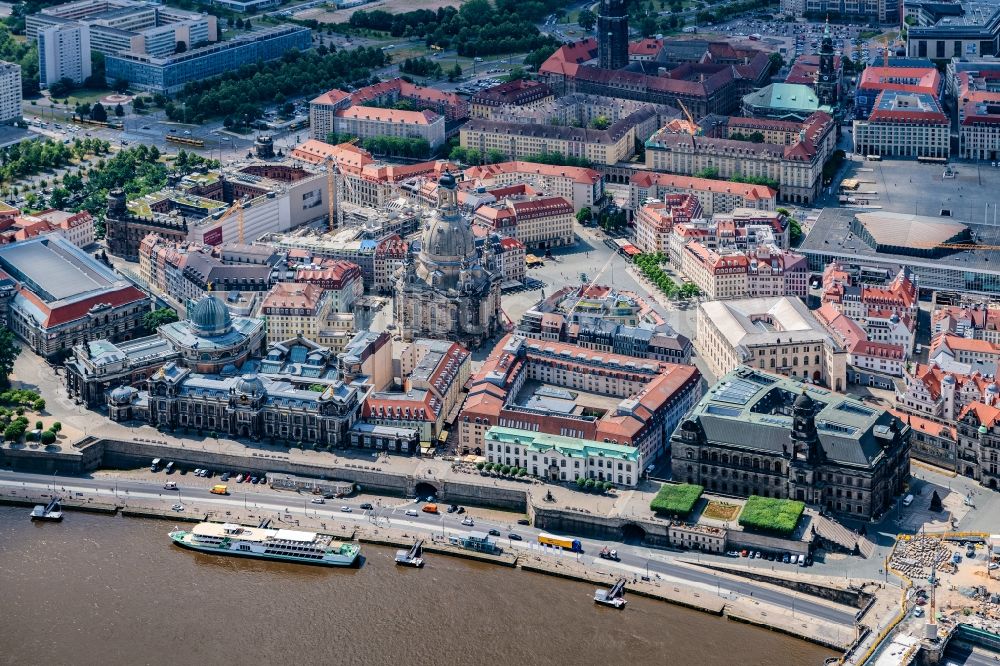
x,y
446,290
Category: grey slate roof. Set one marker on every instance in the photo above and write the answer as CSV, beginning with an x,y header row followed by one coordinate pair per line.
x,y
751,410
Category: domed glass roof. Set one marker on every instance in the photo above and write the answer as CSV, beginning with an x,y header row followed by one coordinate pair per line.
x,y
210,317
122,395
250,385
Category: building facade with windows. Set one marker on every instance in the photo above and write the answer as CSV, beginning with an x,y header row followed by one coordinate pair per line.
x,y
757,433
57,296
655,221
168,74
580,186
715,196
777,334
63,53
904,125
568,390
10,92
557,458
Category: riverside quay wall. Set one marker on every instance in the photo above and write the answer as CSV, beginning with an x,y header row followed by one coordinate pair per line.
x,y
92,453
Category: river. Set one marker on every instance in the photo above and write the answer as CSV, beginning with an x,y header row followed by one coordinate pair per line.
x,y
108,590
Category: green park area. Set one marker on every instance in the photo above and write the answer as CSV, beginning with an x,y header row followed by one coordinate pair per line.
x,y
767,514
676,499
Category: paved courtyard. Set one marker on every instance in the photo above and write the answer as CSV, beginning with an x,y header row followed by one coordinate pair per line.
x,y
906,186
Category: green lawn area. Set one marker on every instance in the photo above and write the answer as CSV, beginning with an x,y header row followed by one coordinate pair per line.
x,y
676,498
88,95
767,514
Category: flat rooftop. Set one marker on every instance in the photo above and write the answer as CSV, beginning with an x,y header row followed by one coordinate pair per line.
x,y
831,235
55,269
564,401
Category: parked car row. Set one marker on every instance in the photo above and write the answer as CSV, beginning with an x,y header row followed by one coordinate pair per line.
x,y
239,477
784,558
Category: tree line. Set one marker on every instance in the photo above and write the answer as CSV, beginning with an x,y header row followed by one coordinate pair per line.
x,y
387,146
242,94
478,28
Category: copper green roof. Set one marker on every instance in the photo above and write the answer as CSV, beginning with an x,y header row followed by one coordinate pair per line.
x,y
570,447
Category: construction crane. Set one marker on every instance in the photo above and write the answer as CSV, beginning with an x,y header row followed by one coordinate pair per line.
x,y
695,128
331,193
236,207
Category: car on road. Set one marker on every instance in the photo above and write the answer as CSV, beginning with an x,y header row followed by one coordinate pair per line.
x,y
318,500
918,612
367,507
346,509
170,485
412,513
494,532
513,536
187,132
177,507
523,521
145,127
468,522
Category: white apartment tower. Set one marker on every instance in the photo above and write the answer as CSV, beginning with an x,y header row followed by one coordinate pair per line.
x,y
10,92
63,52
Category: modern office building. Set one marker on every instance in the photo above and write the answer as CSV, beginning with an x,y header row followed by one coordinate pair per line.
x,y
116,26
168,74
63,53
10,92
879,244
757,433
947,30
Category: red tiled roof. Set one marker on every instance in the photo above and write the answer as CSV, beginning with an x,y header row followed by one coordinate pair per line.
x,y
72,311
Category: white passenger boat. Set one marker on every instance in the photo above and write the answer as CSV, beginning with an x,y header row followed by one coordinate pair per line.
x,y
267,544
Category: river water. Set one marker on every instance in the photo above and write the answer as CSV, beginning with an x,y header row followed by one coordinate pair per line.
x,y
109,590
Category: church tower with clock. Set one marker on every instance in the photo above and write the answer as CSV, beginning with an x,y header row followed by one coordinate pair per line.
x,y
826,78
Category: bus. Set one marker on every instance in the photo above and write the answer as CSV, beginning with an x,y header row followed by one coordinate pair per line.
x,y
173,138
873,158
932,160
299,124
562,542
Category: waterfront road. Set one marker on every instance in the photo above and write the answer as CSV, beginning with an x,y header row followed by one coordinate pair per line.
x,y
636,561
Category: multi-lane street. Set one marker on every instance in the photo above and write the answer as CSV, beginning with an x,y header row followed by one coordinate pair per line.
x,y
636,561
